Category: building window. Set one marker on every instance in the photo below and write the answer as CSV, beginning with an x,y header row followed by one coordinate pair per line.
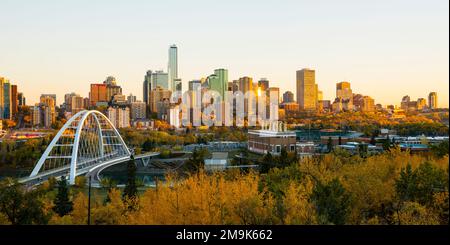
x,y
292,147
278,148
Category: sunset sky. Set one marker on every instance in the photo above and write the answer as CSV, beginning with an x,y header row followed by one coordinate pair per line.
x,y
386,49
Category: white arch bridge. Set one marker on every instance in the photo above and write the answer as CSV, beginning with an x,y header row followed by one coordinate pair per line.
x,y
87,142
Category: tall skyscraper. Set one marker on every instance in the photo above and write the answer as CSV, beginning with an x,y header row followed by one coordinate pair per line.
x,y
147,87
2,103
306,90
433,100
172,68
219,82
6,102
14,101
160,79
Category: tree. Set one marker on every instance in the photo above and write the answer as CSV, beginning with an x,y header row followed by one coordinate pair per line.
x,y
21,207
267,163
80,181
332,201
441,149
421,184
330,144
196,161
108,184
340,140
63,205
148,145
283,159
130,190
363,150
386,143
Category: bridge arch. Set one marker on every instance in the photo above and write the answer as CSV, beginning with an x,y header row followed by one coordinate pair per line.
x,y
86,139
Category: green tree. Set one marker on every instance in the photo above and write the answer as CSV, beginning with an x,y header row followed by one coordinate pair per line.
x,y
284,160
363,150
441,149
130,190
19,206
386,143
330,144
421,184
148,145
108,184
196,161
267,163
332,201
63,205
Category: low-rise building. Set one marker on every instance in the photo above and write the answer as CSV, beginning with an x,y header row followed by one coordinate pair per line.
x,y
271,138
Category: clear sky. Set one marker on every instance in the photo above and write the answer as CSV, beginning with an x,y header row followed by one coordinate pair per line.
x,y
385,48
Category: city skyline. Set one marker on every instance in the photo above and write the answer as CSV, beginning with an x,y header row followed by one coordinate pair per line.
x,y
387,65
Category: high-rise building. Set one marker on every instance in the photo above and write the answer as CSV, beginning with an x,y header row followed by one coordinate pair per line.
x,y
160,79
77,104
147,87
119,116
97,94
2,82
21,98
405,102
344,91
112,88
48,109
421,103
35,115
172,68
263,84
68,101
219,82
14,102
319,95
50,95
6,104
174,116
368,104
273,97
158,95
138,110
178,85
433,100
246,85
306,89
131,98
288,97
